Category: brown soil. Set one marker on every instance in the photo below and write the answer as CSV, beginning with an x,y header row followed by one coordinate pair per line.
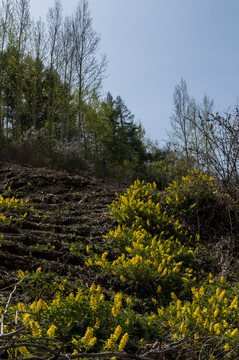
x,y
69,213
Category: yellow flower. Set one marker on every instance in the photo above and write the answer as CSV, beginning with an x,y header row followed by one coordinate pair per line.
x,y
234,303
221,295
21,274
88,335
173,296
23,350
216,312
79,294
41,304
93,302
51,331
36,331
129,301
109,343
217,328
38,271
88,262
201,291
123,341
225,324
183,327
70,323
165,272
196,336
234,332
21,307
117,304
178,304
117,332
160,312
226,347
103,256
61,287
122,278
197,311
92,288
92,342
26,319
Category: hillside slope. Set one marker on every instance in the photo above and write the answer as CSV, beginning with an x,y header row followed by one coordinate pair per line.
x,y
69,213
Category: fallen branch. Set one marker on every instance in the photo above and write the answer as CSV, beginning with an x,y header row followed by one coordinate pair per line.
x,y
8,303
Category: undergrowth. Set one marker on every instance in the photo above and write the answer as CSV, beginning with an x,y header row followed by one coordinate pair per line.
x,y
158,300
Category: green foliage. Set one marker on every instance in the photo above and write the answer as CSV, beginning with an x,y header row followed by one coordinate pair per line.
x,y
171,167
84,320
156,255
211,315
194,190
197,201
12,209
44,104
164,294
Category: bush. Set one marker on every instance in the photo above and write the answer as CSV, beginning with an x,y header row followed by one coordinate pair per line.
x,y
73,322
156,255
197,201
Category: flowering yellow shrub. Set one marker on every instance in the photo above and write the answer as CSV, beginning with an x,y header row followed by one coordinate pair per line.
x,y
156,270
10,206
212,313
13,204
156,254
183,196
84,319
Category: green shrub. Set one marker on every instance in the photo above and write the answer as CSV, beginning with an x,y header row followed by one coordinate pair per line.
x,y
156,255
197,201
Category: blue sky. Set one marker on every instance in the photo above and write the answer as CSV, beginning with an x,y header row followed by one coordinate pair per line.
x,y
152,44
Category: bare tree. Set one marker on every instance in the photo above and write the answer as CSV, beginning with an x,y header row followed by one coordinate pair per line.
x,y
6,16
39,54
90,72
205,109
54,19
22,23
67,71
180,119
221,153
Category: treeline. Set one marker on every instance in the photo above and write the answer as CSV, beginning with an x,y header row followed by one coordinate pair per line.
x,y
52,111
50,93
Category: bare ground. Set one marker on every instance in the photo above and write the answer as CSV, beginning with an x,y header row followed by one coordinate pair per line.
x,y
69,212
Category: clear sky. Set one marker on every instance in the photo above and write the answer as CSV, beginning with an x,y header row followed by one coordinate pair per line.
x,y
152,44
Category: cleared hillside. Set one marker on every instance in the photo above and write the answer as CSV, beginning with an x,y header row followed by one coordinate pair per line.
x,y
70,212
